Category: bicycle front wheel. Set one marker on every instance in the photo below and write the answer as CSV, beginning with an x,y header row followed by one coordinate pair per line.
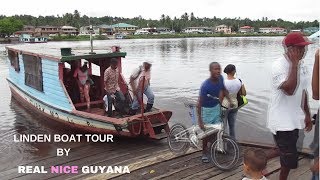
x,y
178,139
225,153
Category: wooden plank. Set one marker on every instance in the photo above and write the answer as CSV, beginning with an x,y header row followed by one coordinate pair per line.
x,y
306,175
142,163
115,157
304,167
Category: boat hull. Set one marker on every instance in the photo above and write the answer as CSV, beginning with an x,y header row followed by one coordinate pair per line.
x,y
68,118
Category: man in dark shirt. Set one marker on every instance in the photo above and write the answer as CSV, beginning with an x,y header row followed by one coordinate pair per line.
x,y
208,106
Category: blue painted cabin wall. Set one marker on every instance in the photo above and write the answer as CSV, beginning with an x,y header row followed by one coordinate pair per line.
x,y
53,93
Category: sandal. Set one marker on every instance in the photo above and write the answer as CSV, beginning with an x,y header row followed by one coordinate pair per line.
x,y
205,159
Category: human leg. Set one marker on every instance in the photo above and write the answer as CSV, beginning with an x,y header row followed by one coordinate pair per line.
x,y
232,115
287,144
86,91
135,104
121,100
149,93
110,102
81,91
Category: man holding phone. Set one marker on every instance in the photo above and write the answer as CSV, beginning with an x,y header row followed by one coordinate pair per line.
x,y
289,110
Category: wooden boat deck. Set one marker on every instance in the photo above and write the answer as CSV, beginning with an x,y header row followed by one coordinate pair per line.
x,y
146,160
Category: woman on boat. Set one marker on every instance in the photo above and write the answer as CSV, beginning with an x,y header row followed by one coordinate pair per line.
x,y
234,86
82,75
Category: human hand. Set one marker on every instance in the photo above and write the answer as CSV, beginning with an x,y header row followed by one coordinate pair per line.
x,y
202,127
294,55
232,105
113,96
308,123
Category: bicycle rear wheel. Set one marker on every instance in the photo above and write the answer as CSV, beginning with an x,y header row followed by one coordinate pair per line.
x,y
178,139
225,153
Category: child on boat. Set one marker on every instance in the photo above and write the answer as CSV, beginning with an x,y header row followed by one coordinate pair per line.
x,y
84,83
255,161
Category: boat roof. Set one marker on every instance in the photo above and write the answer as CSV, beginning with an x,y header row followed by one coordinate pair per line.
x,y
53,52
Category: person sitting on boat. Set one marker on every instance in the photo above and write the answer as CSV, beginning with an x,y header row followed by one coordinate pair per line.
x,y
254,162
111,81
209,107
84,83
140,83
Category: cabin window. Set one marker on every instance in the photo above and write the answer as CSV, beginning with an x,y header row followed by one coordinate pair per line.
x,y
33,72
14,60
95,69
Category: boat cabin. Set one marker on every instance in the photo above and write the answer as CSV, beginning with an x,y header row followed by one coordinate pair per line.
x,y
97,64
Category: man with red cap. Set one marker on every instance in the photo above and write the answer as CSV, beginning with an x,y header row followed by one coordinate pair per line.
x,y
289,110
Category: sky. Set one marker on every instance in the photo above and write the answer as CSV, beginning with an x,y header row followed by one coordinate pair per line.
x,y
292,10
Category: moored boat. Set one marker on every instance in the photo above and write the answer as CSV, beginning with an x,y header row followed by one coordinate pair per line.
x,y
27,38
41,79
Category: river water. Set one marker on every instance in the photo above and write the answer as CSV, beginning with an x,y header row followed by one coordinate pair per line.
x,y
179,68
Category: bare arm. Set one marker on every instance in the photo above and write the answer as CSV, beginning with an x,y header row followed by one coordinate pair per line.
x,y
305,103
289,86
306,110
315,77
200,121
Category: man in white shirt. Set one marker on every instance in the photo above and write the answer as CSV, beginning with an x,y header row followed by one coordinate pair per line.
x,y
289,109
140,83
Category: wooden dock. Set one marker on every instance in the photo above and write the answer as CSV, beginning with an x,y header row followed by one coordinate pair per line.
x,y
146,160
189,167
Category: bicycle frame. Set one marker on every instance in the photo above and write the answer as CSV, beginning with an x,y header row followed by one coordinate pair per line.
x,y
182,136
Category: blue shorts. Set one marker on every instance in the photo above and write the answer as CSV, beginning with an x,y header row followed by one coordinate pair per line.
x,y
211,115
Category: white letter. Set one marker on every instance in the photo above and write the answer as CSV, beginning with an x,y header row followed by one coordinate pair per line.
x,y
126,169
21,169
56,138
67,151
88,137
59,152
84,169
109,137
109,170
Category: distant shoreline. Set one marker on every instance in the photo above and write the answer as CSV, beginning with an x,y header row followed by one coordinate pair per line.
x,y
159,36
150,36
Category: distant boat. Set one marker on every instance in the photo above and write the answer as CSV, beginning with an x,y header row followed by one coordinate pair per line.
x,y
120,36
27,38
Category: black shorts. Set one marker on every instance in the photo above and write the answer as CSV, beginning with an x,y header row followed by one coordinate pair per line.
x,y
287,144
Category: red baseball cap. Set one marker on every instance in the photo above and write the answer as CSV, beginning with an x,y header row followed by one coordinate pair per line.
x,y
295,39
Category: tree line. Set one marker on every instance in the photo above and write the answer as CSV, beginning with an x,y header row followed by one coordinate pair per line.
x,y
176,23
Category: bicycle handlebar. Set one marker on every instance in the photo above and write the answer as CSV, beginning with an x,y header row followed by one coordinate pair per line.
x,y
216,98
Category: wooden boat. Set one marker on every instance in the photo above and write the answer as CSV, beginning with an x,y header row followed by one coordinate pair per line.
x,y
41,79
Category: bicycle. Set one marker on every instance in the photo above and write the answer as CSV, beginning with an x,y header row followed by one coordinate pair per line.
x,y
224,151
